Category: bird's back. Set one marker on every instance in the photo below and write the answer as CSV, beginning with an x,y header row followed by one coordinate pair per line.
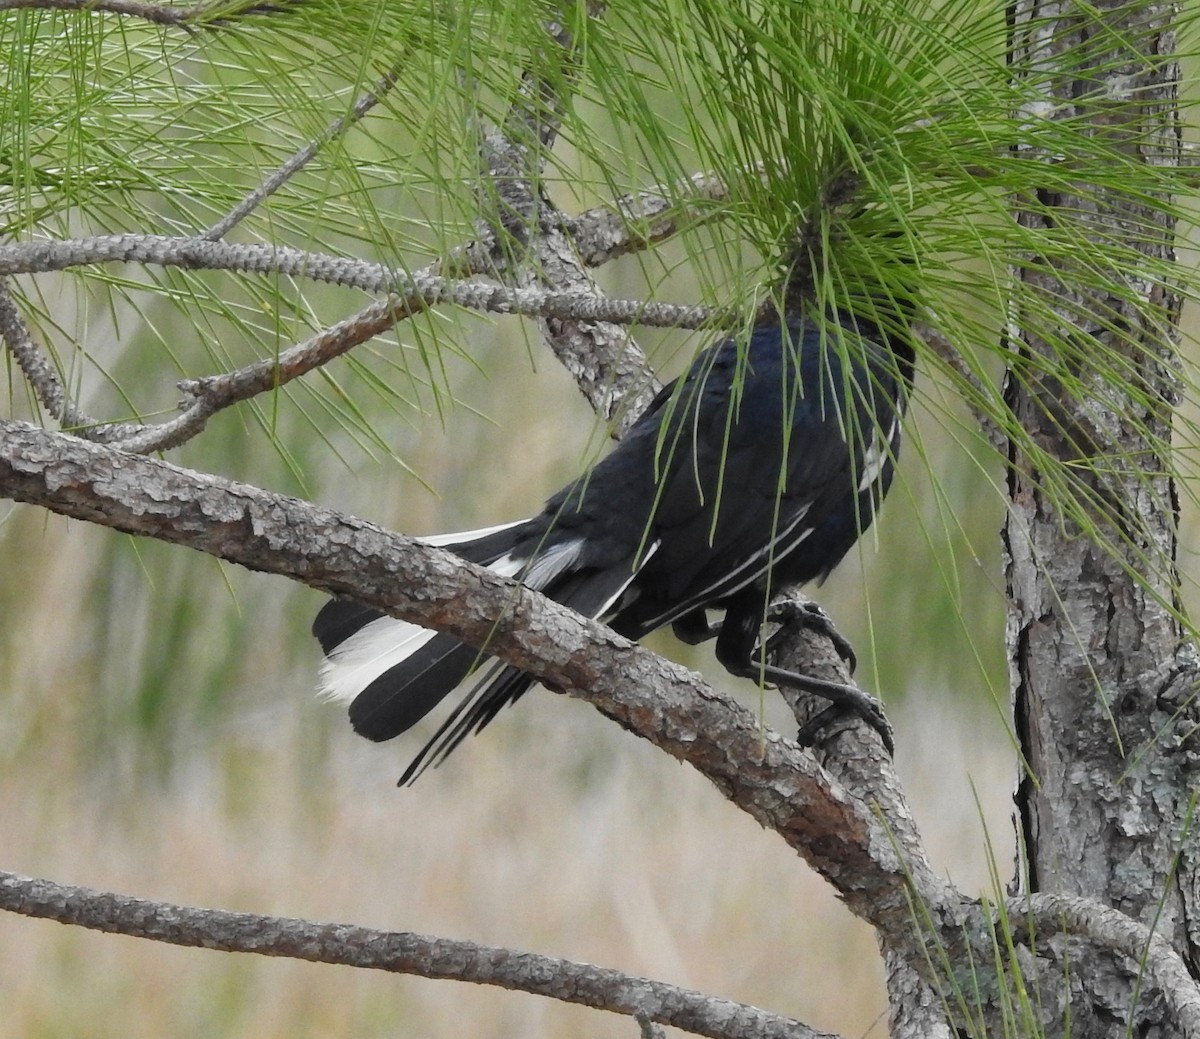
x,y
769,459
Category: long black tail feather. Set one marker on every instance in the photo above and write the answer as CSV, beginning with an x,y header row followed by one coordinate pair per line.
x,y
500,686
403,695
338,619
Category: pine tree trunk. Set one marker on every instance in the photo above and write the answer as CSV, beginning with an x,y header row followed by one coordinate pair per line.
x,y
1100,673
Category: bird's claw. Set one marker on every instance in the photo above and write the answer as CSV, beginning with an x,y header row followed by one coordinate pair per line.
x,y
807,613
855,702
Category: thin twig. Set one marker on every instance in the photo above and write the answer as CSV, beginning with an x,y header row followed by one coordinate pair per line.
x,y
396,951
643,219
297,162
648,1029
44,380
206,396
192,16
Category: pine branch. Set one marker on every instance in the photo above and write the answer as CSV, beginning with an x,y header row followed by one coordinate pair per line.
x,y
418,290
530,231
397,952
203,15
768,776
302,158
204,397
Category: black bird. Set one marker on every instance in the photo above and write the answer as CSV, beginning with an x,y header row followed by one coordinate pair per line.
x,y
755,471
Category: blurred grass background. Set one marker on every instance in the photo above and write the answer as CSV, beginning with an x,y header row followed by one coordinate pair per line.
x,y
161,736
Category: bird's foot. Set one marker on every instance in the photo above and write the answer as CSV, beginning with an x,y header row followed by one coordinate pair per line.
x,y
807,613
843,699
865,706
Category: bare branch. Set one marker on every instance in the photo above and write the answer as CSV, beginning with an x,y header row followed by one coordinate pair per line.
x,y
297,162
644,219
44,380
420,290
603,232
202,15
399,952
779,784
206,396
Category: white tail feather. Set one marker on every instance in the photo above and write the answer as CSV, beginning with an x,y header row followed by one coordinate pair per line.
x,y
385,642
355,663
463,536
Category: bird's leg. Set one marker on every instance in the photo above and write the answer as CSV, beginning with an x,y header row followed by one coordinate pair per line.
x,y
808,614
735,649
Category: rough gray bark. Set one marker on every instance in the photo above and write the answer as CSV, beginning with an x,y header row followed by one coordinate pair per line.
x,y
915,1007
529,230
770,777
398,952
1102,678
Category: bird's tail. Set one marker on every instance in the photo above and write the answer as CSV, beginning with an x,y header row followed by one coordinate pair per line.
x,y
392,673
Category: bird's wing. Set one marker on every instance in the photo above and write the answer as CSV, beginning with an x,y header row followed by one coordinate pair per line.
x,y
752,474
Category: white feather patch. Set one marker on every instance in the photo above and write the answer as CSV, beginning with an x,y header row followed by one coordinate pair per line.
x,y
876,457
367,654
616,601
553,562
463,536
506,565
379,646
